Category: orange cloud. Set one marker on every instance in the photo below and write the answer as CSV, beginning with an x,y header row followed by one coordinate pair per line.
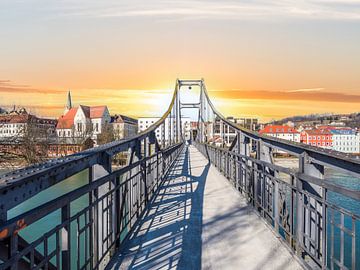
x,y
7,87
314,95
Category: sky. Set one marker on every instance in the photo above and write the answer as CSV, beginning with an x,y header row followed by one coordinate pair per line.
x,y
266,59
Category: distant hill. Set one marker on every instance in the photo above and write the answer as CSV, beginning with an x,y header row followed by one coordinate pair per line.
x,y
351,120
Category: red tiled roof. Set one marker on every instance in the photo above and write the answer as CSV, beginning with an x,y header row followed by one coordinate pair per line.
x,y
22,118
318,132
97,111
67,121
278,129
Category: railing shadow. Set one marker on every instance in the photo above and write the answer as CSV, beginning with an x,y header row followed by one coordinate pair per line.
x,y
169,235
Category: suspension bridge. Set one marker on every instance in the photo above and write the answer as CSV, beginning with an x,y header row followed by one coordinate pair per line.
x,y
184,204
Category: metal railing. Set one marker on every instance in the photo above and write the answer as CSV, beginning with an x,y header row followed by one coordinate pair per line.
x,y
295,202
87,236
291,210
99,228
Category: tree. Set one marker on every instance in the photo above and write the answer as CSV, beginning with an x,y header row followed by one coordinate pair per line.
x,y
87,144
107,134
30,144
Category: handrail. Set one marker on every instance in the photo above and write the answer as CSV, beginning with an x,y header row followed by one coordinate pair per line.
x,y
46,208
351,193
322,156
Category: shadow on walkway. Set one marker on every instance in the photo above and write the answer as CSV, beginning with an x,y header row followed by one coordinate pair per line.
x,y
169,235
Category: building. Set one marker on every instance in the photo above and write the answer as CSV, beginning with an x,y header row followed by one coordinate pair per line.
x,y
219,132
317,137
82,122
345,140
68,146
170,126
281,132
18,123
248,123
124,126
68,105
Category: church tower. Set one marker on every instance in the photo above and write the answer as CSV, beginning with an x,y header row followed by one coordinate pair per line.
x,y
68,103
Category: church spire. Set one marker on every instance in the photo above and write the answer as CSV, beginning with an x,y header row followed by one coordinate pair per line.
x,y
68,103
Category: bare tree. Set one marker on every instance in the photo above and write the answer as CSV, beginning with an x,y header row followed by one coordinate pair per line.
x,y
107,134
30,144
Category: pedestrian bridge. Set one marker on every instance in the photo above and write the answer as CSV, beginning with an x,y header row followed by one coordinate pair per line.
x,y
185,204
198,220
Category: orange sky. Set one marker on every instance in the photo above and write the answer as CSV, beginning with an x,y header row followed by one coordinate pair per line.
x,y
266,105
265,59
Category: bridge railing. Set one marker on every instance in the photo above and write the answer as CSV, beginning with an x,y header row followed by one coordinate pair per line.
x,y
91,221
84,239
305,221
301,204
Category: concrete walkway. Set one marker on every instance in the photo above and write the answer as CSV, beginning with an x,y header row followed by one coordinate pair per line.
x,y
198,221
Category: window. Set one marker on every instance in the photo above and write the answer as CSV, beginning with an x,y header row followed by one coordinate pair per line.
x,y
318,137
97,127
79,127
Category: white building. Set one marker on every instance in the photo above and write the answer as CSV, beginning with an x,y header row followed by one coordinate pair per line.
x,y
83,122
220,133
345,140
15,124
170,126
281,132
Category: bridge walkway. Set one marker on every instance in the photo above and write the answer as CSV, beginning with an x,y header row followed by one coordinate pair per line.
x,y
198,221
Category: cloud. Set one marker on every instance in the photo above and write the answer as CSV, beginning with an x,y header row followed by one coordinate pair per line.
x,y
226,9
6,86
299,94
305,90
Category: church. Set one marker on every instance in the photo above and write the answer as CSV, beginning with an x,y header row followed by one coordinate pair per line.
x,y
82,122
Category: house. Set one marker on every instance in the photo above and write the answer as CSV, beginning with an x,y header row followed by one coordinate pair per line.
x,y
16,123
317,137
124,126
345,140
281,132
83,122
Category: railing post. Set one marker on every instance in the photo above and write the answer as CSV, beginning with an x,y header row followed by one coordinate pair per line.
x,y
144,170
299,213
13,249
66,238
245,151
315,229
93,211
117,212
